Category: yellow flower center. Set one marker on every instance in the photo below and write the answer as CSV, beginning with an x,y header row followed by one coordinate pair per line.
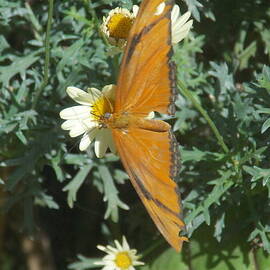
x,y
123,261
100,107
119,26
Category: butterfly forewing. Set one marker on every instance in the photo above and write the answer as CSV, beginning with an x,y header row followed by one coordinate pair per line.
x,y
146,79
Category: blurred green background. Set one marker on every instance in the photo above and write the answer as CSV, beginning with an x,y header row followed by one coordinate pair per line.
x,y
52,195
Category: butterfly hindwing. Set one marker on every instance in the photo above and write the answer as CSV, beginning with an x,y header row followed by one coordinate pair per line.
x,y
151,160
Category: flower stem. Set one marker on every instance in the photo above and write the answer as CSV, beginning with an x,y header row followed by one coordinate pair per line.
x,y
47,55
189,95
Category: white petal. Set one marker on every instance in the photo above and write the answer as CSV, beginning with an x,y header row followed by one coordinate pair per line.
x,y
177,36
112,264
69,124
102,142
78,127
76,131
108,267
94,93
151,115
99,263
180,26
118,245
109,91
109,257
89,123
138,263
135,10
160,9
85,142
114,250
102,248
87,139
175,13
80,96
179,22
76,113
125,243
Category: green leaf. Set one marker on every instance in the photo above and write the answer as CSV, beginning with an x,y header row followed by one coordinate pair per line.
x,y
265,125
21,137
74,185
220,225
3,43
120,176
192,155
264,78
69,55
55,161
75,159
258,173
197,155
206,214
201,213
110,194
246,54
221,72
19,65
264,110
46,201
263,233
193,7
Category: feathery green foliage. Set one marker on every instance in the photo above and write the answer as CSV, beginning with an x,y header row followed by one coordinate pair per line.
x,y
222,124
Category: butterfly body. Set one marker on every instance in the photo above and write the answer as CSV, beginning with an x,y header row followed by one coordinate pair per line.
x,y
124,121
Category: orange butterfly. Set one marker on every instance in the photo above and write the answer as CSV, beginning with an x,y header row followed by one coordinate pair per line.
x,y
147,148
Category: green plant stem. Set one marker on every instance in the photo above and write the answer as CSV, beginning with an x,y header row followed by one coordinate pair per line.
x,y
189,95
47,55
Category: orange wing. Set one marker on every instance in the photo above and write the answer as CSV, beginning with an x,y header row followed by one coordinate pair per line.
x,y
151,161
147,76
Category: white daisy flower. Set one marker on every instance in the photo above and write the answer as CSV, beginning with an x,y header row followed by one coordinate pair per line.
x,y
120,257
85,118
117,24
